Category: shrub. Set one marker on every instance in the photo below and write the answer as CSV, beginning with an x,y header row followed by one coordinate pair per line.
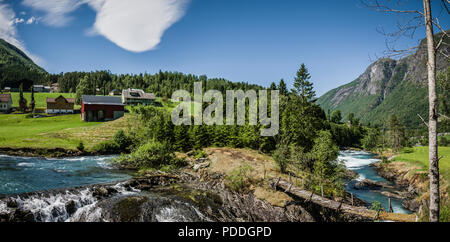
x,y
384,160
122,140
281,157
199,154
80,146
153,154
106,147
407,150
239,178
443,141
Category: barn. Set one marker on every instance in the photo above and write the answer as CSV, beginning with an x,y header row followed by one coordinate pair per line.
x,y
101,108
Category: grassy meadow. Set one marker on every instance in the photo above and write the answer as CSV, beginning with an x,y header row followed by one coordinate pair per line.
x,y
419,157
63,131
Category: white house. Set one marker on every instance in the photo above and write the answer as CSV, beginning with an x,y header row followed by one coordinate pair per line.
x,y
5,102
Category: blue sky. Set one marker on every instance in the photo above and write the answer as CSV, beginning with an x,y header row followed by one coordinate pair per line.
x,y
258,41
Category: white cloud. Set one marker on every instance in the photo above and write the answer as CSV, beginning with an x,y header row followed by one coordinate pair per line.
x,y
8,30
31,20
56,11
134,25
18,20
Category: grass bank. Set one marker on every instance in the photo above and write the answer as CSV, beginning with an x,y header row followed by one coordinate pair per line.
x,y
64,131
418,156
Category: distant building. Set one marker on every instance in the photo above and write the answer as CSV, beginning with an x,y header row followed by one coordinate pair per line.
x,y
5,103
101,108
7,89
41,88
136,96
114,92
60,105
54,88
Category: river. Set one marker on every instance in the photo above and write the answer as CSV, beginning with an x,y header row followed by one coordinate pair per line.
x,y
26,174
20,175
359,161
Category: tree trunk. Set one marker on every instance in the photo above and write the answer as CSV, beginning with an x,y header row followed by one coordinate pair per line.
x,y
432,129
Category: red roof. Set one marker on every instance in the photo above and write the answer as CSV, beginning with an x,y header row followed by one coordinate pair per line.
x,y
52,100
5,97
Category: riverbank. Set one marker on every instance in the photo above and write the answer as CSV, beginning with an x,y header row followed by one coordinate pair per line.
x,y
410,171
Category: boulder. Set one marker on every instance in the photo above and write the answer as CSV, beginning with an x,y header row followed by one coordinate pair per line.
x,y
71,207
11,203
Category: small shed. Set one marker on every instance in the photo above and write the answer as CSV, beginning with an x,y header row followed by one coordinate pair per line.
x,y
101,108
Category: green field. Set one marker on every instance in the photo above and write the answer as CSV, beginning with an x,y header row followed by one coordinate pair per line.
x,y
40,98
64,131
16,130
420,157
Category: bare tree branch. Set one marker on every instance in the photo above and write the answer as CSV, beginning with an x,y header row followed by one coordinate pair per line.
x,y
444,116
423,120
445,2
375,5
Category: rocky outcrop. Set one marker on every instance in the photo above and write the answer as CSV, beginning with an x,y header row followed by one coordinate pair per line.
x,y
376,92
410,196
367,184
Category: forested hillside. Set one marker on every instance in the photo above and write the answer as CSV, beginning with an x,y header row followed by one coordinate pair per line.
x,y
388,87
16,66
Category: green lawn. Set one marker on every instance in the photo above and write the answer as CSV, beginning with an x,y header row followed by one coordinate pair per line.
x,y
16,130
40,98
420,157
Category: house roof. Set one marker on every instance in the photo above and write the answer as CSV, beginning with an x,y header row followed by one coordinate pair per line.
x,y
137,94
52,100
5,98
102,100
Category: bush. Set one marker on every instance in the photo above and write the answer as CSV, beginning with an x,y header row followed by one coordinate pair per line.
x,y
153,154
106,147
407,150
80,146
239,178
122,141
384,160
281,157
376,206
443,141
199,154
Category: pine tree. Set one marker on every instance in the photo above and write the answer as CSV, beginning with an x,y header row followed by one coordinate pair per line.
x,y
273,86
282,88
302,86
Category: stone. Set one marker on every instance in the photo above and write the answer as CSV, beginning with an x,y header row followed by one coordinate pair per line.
x,y
71,207
11,203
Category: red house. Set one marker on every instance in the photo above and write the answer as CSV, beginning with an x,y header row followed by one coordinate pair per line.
x,y
101,108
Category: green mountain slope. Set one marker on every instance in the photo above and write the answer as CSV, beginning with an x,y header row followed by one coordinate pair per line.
x,y
16,66
388,87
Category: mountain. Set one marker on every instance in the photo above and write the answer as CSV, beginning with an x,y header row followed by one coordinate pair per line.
x,y
16,66
388,87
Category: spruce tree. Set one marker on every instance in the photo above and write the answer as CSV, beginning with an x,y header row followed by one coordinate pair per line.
x,y
282,88
302,86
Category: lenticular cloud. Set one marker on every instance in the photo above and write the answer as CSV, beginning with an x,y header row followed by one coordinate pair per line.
x,y
137,25
134,25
